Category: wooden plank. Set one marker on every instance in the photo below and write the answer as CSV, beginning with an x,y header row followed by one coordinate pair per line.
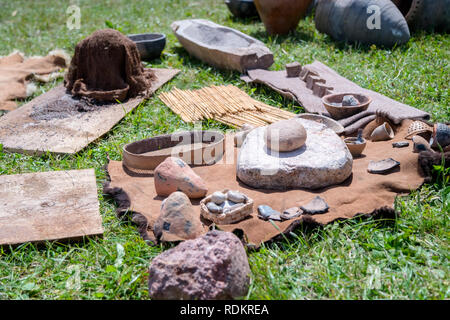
x,y
57,205
21,133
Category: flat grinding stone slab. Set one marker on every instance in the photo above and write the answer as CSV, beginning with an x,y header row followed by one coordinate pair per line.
x,y
58,205
324,160
30,130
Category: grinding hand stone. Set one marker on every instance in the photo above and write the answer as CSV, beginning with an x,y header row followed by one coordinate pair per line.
x,y
267,213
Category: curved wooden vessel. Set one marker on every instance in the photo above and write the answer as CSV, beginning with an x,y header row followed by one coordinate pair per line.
x,y
222,47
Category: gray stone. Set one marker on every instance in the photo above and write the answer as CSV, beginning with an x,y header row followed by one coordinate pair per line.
x,y
213,208
324,160
218,197
214,266
349,100
291,213
236,196
400,144
267,213
232,207
315,206
285,135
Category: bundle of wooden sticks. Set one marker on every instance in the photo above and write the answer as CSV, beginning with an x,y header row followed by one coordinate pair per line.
x,y
227,104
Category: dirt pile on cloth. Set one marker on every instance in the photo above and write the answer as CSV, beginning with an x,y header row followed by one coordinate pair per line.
x,y
64,107
107,67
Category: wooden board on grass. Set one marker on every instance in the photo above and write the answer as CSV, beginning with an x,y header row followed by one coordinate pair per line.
x,y
21,132
48,206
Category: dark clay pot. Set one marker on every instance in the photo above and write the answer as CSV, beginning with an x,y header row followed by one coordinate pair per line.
x,y
150,45
426,14
441,136
242,8
281,16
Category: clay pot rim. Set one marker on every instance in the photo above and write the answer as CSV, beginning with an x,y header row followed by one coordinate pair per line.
x,y
352,140
387,127
141,161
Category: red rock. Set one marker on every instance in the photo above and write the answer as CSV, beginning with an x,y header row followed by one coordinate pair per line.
x,y
173,174
213,267
178,220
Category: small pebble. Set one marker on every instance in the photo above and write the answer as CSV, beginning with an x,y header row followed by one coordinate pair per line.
x,y
401,144
267,213
214,208
236,196
291,213
335,104
349,100
233,207
315,206
218,197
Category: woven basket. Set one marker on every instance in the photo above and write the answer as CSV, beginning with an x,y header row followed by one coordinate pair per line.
x,y
416,128
232,216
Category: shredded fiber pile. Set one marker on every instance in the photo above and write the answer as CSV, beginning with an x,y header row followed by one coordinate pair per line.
x,y
107,67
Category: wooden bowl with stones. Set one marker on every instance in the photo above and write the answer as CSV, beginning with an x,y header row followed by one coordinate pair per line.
x,y
227,217
334,103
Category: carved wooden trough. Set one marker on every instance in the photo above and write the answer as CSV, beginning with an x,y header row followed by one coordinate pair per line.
x,y
222,47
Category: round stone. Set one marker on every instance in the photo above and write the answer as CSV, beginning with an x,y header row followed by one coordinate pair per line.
x,y
323,161
267,213
218,197
236,196
285,135
214,208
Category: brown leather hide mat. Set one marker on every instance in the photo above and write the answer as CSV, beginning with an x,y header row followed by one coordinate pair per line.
x,y
22,133
362,194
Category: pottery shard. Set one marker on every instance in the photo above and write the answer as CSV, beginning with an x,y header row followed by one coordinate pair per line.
x,y
285,135
178,220
213,267
324,160
173,174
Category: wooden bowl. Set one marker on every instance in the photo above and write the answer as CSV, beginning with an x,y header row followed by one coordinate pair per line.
x,y
345,111
355,148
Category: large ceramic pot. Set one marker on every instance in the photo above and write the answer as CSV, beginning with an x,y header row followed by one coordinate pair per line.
x,y
426,14
281,16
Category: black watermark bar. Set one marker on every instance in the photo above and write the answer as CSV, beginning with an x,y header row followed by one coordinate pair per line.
x,y
174,310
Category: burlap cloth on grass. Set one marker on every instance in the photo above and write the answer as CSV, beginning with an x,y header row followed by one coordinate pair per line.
x,y
16,73
362,194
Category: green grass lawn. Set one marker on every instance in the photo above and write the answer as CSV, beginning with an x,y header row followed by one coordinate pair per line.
x,y
408,259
